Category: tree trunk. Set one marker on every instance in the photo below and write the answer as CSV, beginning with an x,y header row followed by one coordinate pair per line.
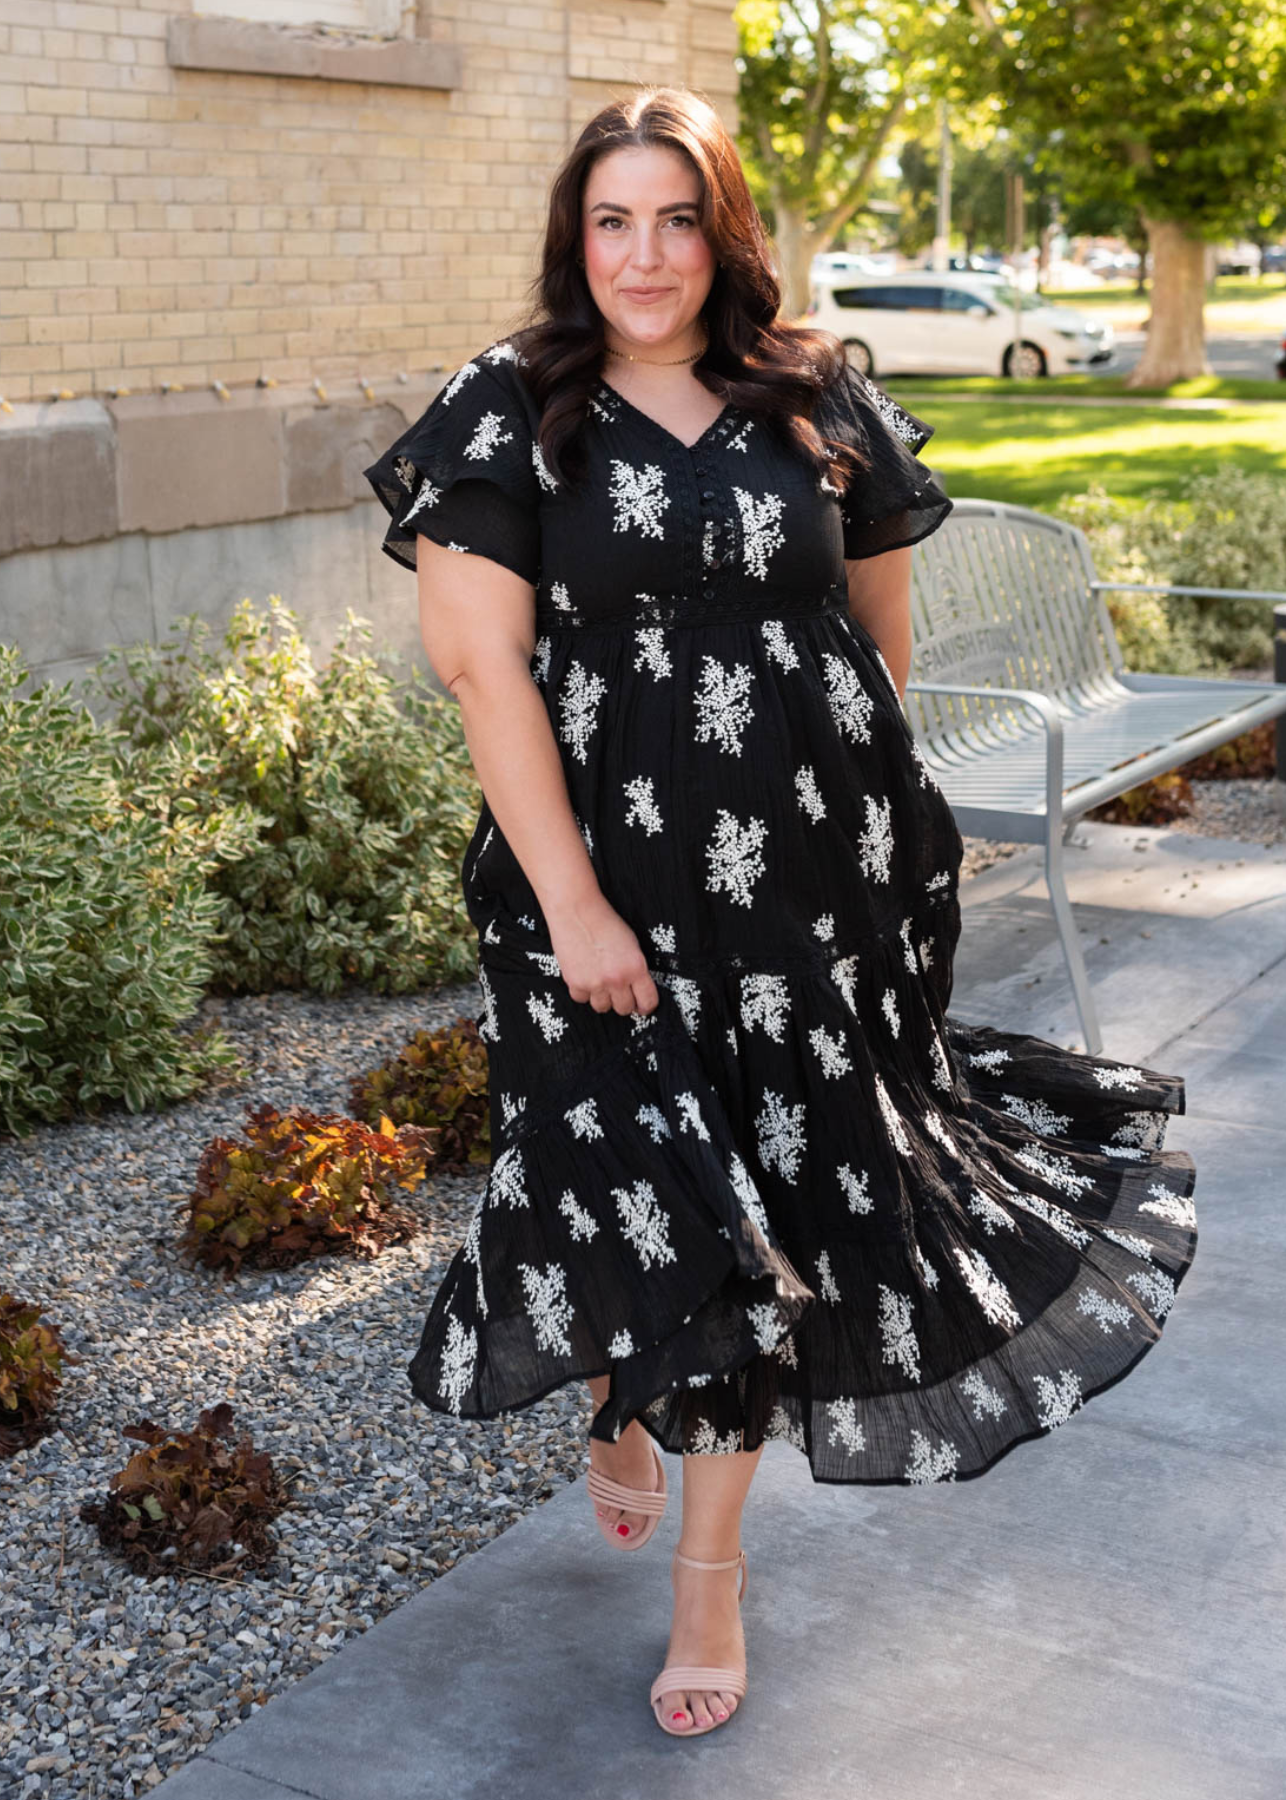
x,y
797,243
1176,340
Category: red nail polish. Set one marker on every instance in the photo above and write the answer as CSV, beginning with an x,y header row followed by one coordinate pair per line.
x,y
623,1530
676,1715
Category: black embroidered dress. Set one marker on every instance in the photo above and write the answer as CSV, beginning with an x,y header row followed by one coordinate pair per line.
x,y
796,1200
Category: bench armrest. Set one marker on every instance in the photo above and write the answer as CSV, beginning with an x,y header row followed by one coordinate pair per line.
x,y
1165,587
1045,711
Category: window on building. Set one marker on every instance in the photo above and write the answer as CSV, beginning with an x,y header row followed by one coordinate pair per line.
x,y
374,16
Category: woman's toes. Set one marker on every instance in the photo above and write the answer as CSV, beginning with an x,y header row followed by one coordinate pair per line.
x,y
700,1710
725,1703
674,1710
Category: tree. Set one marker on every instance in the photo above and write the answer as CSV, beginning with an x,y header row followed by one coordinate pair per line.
x,y
825,87
1177,107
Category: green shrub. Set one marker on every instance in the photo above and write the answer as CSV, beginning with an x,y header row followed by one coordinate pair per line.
x,y
439,1080
365,791
1229,530
106,919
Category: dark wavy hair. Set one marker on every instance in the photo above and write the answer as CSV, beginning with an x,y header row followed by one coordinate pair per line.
x,y
754,359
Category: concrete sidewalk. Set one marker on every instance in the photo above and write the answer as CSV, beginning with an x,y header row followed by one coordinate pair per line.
x,y
1101,1614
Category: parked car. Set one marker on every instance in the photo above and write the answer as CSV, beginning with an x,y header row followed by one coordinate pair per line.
x,y
934,322
1273,260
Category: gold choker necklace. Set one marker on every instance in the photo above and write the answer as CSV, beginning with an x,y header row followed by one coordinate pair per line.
x,y
667,364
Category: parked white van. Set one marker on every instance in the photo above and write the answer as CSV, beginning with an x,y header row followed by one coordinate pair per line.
x,y
939,322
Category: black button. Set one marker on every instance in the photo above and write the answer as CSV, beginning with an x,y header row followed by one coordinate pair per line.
x,y
713,562
707,593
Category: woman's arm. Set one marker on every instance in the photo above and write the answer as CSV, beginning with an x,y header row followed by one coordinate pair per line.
x,y
879,597
477,625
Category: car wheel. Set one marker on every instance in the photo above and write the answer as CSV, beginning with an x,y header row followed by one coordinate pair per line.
x,y
859,356
1030,362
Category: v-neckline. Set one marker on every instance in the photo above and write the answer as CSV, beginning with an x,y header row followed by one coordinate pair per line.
x,y
656,424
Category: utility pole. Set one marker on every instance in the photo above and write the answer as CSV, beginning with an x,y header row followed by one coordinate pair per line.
x,y
1014,231
940,251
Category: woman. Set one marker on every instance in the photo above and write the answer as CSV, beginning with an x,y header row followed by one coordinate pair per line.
x,y
748,1179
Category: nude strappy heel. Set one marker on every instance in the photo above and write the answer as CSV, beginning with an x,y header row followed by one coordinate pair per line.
x,y
712,1680
606,1492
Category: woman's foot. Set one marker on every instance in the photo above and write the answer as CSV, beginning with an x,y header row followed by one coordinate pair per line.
x,y
706,1629
631,1460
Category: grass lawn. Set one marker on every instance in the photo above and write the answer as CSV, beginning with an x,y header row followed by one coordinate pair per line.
x,y
1032,455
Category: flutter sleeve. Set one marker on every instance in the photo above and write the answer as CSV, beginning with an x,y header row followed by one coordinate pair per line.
x,y
465,474
894,502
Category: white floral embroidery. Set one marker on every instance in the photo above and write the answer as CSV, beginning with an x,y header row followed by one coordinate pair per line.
x,y
778,644
992,1214
1056,1170
472,1252
723,709
1097,1305
510,1106
988,1289
934,1125
541,1008
705,1443
459,1356
765,1001
809,794
621,1345
654,1122
457,381
761,532
830,1050
1118,1078
892,1121
786,1351
890,1009
782,1139
876,842
748,1195
545,961
1129,1241
829,1287
653,653
767,1322
578,699
560,597
900,1345
1062,1222
941,1067
936,884
850,704
989,1059
583,1119
985,1399
845,1426
844,975
643,809
548,1307
1171,1207
707,543
928,1274
583,1223
780,1426
507,1180
687,996
927,1464
898,420
645,1223
663,937
640,498
1058,1399
1036,1115
856,1190
733,856
690,1116
1156,1289
543,474
541,652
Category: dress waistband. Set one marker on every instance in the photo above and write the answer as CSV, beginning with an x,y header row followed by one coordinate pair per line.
x,y
689,609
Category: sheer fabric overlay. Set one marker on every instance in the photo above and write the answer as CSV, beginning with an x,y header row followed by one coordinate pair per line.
x,y
798,1199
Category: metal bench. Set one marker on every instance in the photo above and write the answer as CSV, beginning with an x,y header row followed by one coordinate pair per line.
x,y
1020,700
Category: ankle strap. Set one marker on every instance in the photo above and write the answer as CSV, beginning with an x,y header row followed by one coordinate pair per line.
x,y
696,1563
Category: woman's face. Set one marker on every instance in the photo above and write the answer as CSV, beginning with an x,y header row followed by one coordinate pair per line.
x,y
639,230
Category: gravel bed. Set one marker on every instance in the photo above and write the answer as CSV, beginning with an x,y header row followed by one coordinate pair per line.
x,y
110,1681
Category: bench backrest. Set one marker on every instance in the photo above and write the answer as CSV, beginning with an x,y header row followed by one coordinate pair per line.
x,y
1000,597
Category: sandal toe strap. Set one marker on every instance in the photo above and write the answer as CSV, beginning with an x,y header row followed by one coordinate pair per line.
x,y
615,1493
681,1676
